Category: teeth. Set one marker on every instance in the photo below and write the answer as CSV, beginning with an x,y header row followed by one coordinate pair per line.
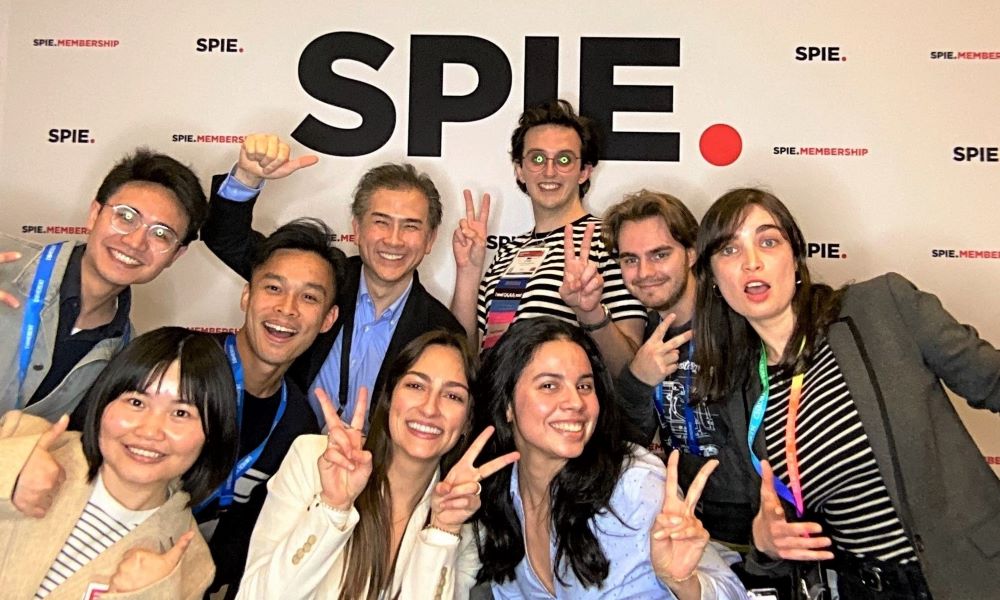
x,y
756,284
388,256
144,453
424,428
548,186
128,260
280,328
570,427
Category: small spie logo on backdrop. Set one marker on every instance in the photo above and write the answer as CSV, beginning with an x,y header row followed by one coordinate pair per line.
x,y
819,54
54,230
832,250
828,151
965,55
976,154
211,329
59,135
966,254
74,43
348,237
206,138
218,46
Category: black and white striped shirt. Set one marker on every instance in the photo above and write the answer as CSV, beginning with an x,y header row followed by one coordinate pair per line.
x,y
841,482
541,297
104,521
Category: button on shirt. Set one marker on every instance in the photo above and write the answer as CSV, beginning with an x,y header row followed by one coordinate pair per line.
x,y
369,341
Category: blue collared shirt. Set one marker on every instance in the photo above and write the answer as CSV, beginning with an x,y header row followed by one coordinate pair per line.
x,y
637,498
369,342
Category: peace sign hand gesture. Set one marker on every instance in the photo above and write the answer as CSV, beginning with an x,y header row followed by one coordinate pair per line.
x,y
656,358
678,538
582,283
469,241
345,466
456,498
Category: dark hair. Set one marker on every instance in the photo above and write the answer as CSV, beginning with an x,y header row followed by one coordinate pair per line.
x,y
308,235
205,381
368,565
583,487
393,176
145,166
561,113
646,204
726,346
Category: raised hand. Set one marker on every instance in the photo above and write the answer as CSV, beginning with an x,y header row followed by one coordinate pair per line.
x,y
776,537
469,241
456,498
265,156
345,466
41,476
656,358
678,538
582,283
6,298
140,568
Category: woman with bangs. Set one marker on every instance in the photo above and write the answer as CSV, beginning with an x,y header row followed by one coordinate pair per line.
x,y
107,512
583,514
840,391
354,518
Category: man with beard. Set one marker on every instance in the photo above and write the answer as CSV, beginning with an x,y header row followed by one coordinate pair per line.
x,y
652,235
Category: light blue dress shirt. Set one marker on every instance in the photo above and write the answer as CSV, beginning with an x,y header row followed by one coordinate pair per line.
x,y
369,342
637,498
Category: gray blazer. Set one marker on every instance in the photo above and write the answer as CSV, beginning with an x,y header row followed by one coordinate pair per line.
x,y
896,346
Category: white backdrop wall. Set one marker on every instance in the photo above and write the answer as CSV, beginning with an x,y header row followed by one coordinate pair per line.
x,y
906,87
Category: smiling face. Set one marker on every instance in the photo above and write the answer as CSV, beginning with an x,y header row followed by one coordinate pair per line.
x,y
555,407
755,271
552,191
393,236
147,439
124,259
656,268
287,304
429,408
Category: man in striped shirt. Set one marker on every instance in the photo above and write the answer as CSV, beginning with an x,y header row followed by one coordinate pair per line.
x,y
560,268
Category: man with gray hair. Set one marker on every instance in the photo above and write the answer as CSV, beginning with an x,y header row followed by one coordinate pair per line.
x,y
395,215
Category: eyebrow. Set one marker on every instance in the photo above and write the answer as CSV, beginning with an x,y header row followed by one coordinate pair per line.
x,y
561,375
141,216
309,284
544,151
769,226
427,379
392,218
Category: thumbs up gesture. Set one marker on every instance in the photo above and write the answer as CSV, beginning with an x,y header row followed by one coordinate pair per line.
x,y
40,477
776,537
140,567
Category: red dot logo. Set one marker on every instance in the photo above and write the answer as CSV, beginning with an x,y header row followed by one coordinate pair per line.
x,y
721,145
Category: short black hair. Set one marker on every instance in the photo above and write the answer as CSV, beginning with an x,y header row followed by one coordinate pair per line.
x,y
308,235
397,177
205,380
561,113
144,165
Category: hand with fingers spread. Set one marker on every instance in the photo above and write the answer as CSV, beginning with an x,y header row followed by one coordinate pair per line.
x,y
456,497
776,537
469,241
678,538
265,156
41,476
6,298
657,358
345,466
582,283
140,568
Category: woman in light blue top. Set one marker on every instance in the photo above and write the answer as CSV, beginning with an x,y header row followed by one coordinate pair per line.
x,y
584,514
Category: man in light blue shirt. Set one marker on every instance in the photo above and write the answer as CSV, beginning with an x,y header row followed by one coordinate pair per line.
x,y
396,212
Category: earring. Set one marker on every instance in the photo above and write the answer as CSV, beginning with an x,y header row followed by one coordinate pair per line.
x,y
715,291
798,278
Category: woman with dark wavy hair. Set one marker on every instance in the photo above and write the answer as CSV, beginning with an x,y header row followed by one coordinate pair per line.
x,y
583,514
841,391
351,518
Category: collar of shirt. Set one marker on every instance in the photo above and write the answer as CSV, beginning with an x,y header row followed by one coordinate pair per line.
x,y
365,312
69,300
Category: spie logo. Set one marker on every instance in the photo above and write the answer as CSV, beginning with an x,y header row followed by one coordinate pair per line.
x,y
218,45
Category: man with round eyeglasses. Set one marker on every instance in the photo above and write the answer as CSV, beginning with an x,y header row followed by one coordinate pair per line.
x,y
560,268
67,304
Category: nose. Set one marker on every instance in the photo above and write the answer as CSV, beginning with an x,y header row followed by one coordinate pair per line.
x,y
430,407
150,425
550,167
645,268
572,400
395,235
289,305
751,259
137,238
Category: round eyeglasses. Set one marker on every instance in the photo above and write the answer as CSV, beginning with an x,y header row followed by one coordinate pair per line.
x,y
535,161
125,220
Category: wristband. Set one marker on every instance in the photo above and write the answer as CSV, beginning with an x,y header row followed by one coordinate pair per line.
x,y
454,535
600,324
670,579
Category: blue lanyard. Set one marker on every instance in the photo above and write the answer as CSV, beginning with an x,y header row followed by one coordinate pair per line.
x,y
757,417
690,420
226,491
33,311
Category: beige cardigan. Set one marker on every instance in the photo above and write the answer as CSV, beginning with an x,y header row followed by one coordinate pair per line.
x,y
28,546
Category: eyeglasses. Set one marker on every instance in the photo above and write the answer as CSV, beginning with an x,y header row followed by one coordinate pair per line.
x,y
535,161
125,220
